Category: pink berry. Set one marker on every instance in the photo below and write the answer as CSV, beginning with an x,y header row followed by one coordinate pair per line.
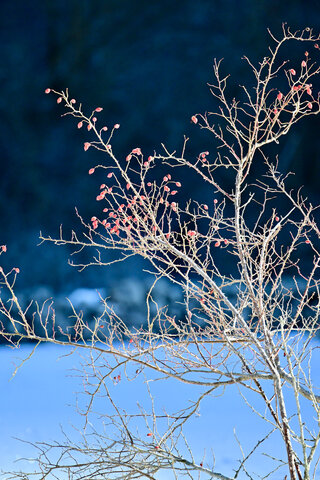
x,y
137,151
47,90
98,109
80,124
194,119
86,146
91,171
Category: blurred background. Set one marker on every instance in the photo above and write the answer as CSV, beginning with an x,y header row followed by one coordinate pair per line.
x,y
147,64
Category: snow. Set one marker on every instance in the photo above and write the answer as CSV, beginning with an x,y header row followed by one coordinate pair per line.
x,y
42,395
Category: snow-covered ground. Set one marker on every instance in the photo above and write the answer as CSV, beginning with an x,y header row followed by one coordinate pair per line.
x,y
41,398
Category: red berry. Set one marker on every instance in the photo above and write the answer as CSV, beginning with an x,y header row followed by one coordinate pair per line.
x,y
98,109
194,119
91,171
86,146
80,124
137,151
47,90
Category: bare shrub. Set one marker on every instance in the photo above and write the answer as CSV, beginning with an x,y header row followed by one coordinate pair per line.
x,y
252,328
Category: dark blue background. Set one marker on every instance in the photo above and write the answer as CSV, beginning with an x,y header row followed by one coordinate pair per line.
x,y
147,63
